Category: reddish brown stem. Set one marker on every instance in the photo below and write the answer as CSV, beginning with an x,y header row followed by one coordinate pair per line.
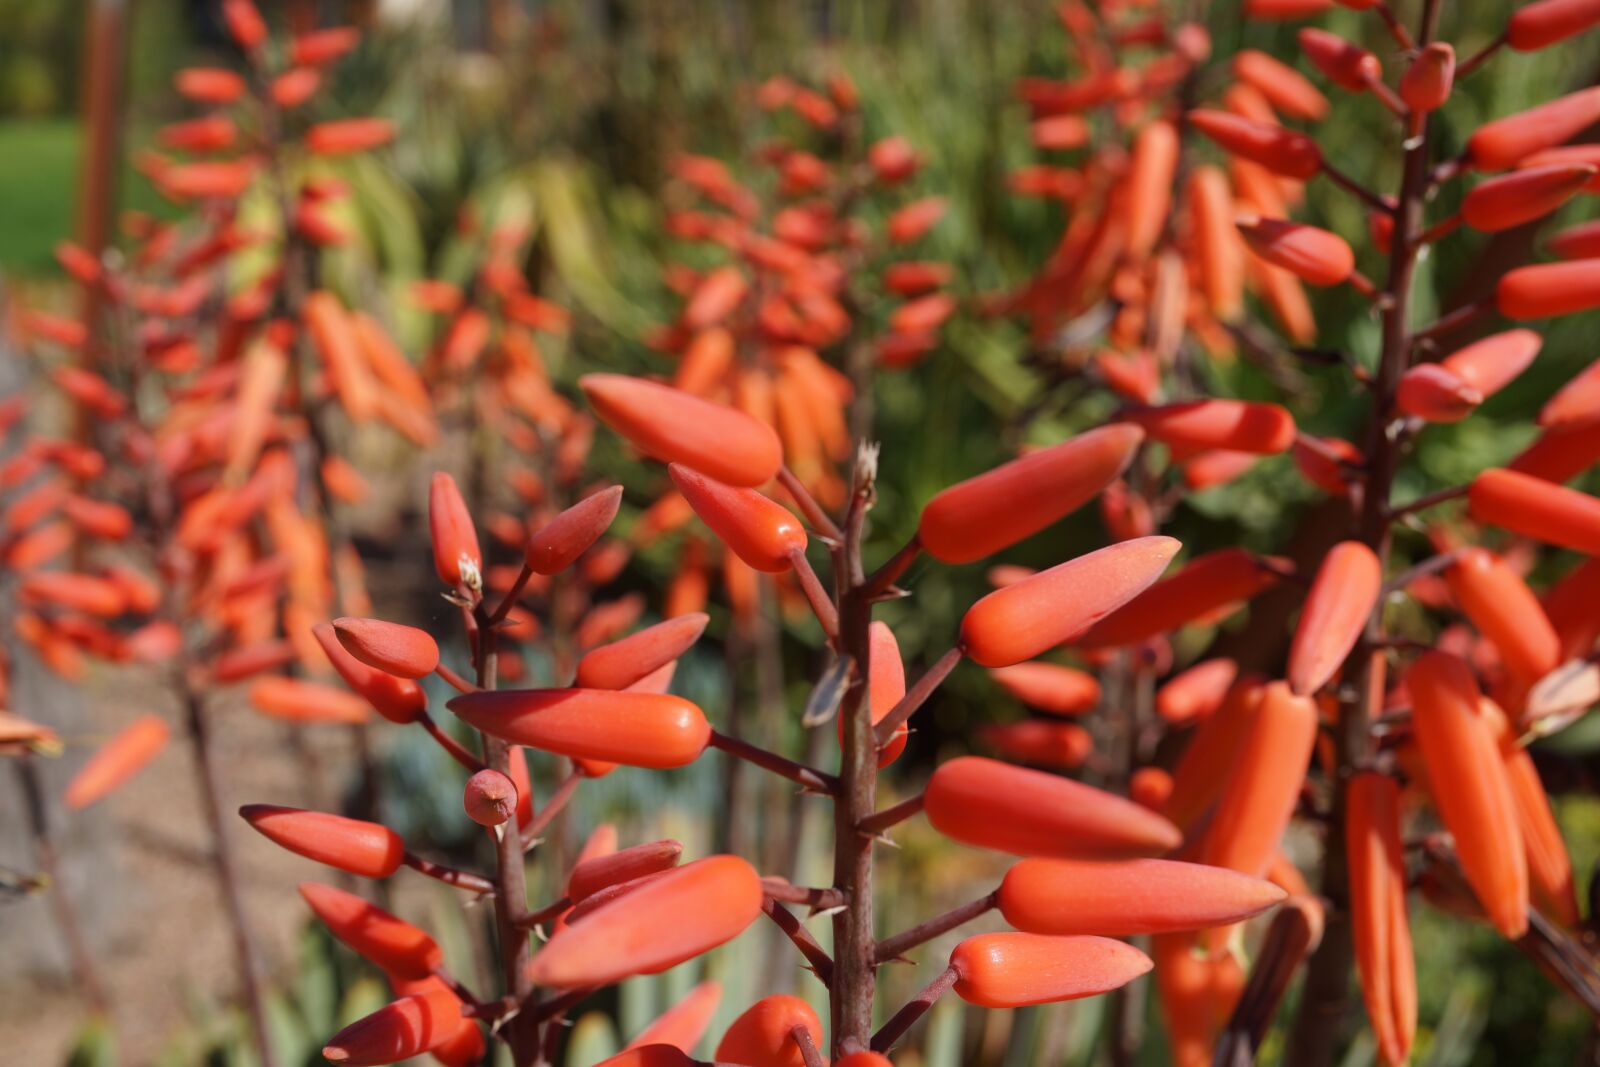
x,y
817,596
812,511
449,875
892,948
812,779
814,953
918,694
457,751
454,680
808,1048
880,821
558,800
897,564
811,896
916,1008
1314,1037
84,970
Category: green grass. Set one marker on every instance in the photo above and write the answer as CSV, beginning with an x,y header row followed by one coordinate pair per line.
x,y
39,190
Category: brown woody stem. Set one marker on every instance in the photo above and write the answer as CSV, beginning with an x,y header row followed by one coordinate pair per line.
x,y
449,875
1422,503
817,596
894,815
814,953
892,948
552,807
916,1008
814,515
458,751
808,1048
918,694
812,897
809,777
454,680
1314,1037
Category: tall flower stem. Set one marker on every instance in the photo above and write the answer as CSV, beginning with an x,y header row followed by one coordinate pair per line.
x,y
1324,1003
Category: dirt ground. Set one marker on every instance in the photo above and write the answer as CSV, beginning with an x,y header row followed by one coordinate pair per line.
x,y
137,865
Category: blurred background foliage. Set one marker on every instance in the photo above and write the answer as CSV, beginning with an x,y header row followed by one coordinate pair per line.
x,y
571,122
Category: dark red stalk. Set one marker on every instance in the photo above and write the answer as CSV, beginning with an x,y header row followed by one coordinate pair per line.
x,y
1314,1037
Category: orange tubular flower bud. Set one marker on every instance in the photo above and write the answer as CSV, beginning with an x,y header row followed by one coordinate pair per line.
x,y
1426,84
244,24
1127,897
758,530
363,848
1344,64
456,555
1259,796
346,136
1198,992
299,700
1197,692
1575,404
376,936
1284,87
1504,610
1336,611
650,1056
323,46
678,915
674,426
1205,585
1016,500
1016,970
399,700
1547,289
1149,187
1221,266
397,1031
989,804
622,663
1576,242
1020,621
1049,687
1536,508
1469,786
1503,142
1557,455
117,760
209,85
403,651
1282,151
682,1025
1378,913
589,876
1235,425
1491,364
490,798
1315,256
1539,25
1524,195
570,534
1059,745
763,1036
1549,865
715,298
639,729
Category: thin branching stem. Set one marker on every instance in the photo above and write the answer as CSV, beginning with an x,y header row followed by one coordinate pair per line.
x,y
809,777
918,694
915,1008
892,948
